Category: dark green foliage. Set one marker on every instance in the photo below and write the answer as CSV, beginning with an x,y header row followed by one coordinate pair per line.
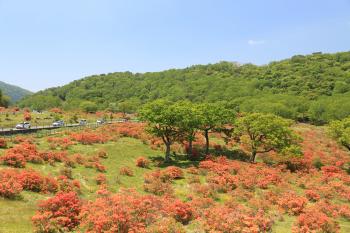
x,y
4,100
340,130
317,163
15,93
262,133
305,88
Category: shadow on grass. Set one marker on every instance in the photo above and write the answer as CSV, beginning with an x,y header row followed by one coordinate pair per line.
x,y
184,161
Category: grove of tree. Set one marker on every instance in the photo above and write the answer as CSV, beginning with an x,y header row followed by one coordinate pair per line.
x,y
313,88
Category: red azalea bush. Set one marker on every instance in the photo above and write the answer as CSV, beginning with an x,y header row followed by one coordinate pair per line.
x,y
312,195
102,154
20,154
173,172
31,181
291,203
67,185
10,186
126,171
315,221
27,116
62,142
181,211
58,214
222,183
79,159
89,137
99,167
13,160
35,182
236,219
128,129
156,184
126,212
166,225
3,142
101,179
56,110
142,162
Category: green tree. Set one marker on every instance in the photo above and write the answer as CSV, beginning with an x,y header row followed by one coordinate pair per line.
x,y
88,106
262,133
128,106
340,130
213,116
188,121
162,122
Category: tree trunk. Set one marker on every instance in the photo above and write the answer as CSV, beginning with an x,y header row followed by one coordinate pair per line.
x,y
347,146
190,148
206,135
167,152
252,158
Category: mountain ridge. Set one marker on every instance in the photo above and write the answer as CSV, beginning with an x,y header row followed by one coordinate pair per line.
x,y
14,92
282,87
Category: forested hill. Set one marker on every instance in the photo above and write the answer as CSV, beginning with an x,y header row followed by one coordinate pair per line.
x,y
14,92
315,87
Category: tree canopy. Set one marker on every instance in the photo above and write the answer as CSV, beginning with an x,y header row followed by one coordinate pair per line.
x,y
340,130
262,133
312,88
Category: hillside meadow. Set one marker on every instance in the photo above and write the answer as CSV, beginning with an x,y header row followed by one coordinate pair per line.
x,y
114,179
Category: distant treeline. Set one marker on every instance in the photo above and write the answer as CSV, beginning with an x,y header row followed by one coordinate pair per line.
x,y
313,88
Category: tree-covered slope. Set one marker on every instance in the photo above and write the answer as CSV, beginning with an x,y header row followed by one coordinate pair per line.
x,y
315,87
14,92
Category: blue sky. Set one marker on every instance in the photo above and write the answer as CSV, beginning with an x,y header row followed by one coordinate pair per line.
x,y
50,43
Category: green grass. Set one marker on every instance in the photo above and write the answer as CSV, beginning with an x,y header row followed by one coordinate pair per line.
x,y
15,215
41,119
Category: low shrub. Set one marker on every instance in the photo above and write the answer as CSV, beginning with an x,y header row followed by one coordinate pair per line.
x,y
58,214
126,171
10,186
142,162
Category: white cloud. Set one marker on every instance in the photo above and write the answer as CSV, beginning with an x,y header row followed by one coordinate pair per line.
x,y
256,42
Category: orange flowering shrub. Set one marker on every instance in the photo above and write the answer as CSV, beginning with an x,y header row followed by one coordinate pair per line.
x,y
222,183
127,129
58,214
13,160
20,154
31,180
102,154
27,116
64,143
56,110
315,221
156,184
101,179
67,185
126,171
291,203
165,225
236,219
99,167
79,159
126,212
3,142
173,172
142,162
312,195
10,186
89,137
181,211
